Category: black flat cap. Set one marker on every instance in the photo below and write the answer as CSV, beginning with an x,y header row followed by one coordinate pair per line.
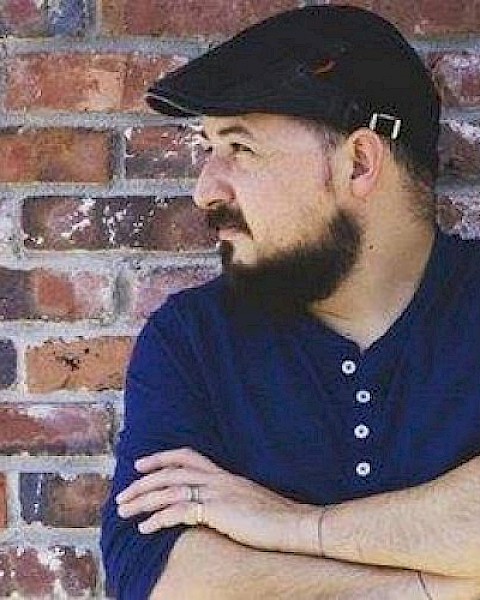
x,y
341,65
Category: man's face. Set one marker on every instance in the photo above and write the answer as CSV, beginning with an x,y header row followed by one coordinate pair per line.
x,y
287,239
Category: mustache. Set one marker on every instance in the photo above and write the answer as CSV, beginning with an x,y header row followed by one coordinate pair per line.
x,y
224,217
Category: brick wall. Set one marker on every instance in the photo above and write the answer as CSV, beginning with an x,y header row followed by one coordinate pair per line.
x,y
97,227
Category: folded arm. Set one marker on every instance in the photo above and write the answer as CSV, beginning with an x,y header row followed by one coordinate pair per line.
x,y
434,527
205,565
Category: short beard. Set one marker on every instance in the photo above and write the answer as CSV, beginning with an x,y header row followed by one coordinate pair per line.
x,y
286,285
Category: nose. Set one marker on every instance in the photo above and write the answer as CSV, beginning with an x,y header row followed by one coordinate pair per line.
x,y
212,186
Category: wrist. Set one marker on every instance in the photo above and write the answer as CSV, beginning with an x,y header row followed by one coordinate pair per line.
x,y
308,539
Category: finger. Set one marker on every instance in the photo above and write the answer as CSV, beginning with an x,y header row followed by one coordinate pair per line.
x,y
179,457
155,500
184,513
164,478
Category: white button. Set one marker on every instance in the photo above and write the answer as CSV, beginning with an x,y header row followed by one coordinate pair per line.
x,y
349,367
363,469
361,431
363,396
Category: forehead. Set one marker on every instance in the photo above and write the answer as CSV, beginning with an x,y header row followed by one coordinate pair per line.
x,y
259,126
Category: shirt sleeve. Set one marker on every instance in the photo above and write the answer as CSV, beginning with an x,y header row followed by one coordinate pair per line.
x,y
166,407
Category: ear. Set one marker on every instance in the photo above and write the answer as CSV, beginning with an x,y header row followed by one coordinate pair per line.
x,y
367,155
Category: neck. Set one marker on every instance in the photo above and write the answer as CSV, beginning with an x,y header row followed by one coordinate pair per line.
x,y
381,285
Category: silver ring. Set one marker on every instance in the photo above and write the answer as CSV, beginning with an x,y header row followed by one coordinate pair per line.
x,y
194,493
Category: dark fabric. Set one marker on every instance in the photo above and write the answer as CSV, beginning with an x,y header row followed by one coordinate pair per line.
x,y
270,400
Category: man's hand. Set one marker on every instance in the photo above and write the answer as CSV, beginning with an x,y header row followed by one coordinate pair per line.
x,y
239,508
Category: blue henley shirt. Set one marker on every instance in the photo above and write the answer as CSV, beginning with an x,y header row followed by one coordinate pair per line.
x,y
296,406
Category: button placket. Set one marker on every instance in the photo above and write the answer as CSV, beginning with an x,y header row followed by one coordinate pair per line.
x,y
361,431
349,367
363,469
363,396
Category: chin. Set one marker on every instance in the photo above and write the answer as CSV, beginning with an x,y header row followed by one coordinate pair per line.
x,y
238,254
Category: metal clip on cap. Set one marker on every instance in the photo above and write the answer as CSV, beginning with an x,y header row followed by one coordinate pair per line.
x,y
385,122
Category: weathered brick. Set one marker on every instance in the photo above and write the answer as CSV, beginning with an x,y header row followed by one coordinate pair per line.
x,y
63,500
457,75
186,18
141,72
23,17
426,17
83,82
151,288
14,297
45,429
59,155
459,213
42,294
459,149
66,17
151,223
3,501
53,572
30,18
93,364
8,364
163,152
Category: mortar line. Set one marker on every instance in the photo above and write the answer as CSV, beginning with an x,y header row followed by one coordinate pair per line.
x,y
137,187
13,499
141,45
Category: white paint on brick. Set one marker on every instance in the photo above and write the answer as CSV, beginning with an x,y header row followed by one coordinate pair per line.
x,y
468,131
51,558
86,206
69,477
128,133
80,226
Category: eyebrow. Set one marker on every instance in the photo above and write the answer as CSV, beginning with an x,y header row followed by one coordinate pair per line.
x,y
232,129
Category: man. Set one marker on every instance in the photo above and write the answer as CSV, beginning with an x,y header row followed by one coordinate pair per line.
x,y
308,423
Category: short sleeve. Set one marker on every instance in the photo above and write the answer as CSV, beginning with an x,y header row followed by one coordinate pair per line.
x,y
166,407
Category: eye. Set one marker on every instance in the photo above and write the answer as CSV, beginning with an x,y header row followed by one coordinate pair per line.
x,y
236,147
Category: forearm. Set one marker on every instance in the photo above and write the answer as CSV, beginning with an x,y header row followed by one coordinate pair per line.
x,y
206,566
434,527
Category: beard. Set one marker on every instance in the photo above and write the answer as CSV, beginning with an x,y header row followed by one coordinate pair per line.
x,y
287,284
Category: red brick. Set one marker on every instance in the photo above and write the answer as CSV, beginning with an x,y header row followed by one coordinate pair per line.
x,y
426,17
163,152
459,213
43,294
23,17
151,289
54,572
79,296
93,364
186,18
3,501
54,429
57,155
459,149
63,501
151,223
457,75
83,82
